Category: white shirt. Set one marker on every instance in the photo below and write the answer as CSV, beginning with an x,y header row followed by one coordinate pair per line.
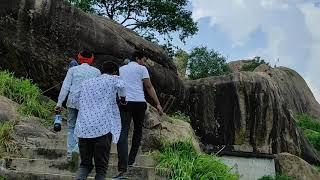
x,y
133,74
98,110
71,84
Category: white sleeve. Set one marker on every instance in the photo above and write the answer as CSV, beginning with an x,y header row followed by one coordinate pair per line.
x,y
65,87
144,73
120,86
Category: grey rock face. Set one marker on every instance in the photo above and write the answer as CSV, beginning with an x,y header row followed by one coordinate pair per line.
x,y
247,112
36,38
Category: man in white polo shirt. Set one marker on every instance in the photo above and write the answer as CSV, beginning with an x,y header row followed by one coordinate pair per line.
x,y
136,77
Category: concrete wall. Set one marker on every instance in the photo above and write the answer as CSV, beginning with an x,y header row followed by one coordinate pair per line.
x,y
250,168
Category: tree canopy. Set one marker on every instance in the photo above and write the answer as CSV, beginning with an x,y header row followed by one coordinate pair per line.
x,y
203,63
147,17
181,60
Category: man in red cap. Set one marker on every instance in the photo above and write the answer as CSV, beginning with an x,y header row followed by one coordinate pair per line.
x,y
70,87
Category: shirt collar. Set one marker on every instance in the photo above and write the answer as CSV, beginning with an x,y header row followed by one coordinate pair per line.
x,y
133,62
85,64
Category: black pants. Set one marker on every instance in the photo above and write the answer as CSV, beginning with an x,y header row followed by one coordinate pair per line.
x,y
98,149
135,111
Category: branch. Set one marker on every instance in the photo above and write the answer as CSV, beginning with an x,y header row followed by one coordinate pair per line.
x,y
107,10
127,18
133,24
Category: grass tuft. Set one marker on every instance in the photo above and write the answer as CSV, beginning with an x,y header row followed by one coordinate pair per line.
x,y
181,161
7,144
181,116
27,94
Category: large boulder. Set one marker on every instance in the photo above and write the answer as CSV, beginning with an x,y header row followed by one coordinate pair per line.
x,y
295,91
247,112
36,36
8,110
159,129
292,166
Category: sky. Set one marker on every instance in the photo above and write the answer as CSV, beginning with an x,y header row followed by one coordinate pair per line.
x,y
283,32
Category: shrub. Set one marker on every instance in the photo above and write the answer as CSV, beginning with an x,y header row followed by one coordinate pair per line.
x,y
25,93
311,129
181,161
257,61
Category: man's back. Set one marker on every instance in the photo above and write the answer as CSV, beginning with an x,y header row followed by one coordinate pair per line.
x,y
75,76
133,75
98,109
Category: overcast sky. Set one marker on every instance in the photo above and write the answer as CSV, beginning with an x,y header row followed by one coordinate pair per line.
x,y
288,30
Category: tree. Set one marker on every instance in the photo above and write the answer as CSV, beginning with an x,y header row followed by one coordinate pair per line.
x,y
147,17
203,63
85,5
181,60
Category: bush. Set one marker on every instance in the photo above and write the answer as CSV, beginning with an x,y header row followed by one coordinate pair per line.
x,y
181,161
257,61
311,129
25,93
181,116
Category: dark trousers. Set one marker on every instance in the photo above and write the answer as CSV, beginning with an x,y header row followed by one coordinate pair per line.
x,y
135,111
97,149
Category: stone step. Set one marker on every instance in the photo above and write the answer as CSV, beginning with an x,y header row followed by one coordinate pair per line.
x,y
53,143
66,169
60,154
18,175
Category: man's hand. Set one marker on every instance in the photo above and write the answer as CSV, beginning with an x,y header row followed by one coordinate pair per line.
x,y
159,108
57,109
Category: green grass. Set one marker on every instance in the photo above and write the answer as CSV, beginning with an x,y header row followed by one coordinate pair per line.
x,y
27,94
277,177
7,144
181,116
180,161
311,129
2,178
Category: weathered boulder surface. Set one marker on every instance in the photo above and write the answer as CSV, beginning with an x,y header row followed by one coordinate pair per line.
x,y
292,166
295,91
8,110
36,36
247,112
158,129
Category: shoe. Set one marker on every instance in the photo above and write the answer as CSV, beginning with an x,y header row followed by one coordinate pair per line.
x,y
132,165
121,175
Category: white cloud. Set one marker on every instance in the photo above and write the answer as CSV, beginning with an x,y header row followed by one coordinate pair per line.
x,y
291,27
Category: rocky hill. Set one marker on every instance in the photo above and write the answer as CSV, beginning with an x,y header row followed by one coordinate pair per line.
x,y
246,111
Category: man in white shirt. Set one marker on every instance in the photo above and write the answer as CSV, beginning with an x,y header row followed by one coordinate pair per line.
x,y
98,120
136,77
70,87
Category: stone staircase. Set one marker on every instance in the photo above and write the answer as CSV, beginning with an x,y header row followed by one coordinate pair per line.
x,y
45,159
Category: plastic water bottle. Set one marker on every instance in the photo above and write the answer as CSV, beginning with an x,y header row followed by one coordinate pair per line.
x,y
57,122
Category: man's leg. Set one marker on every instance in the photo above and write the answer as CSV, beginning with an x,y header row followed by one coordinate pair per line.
x,y
138,114
122,145
86,147
101,155
72,145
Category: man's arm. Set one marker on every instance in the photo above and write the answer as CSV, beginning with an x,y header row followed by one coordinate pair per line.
x,y
64,90
152,93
